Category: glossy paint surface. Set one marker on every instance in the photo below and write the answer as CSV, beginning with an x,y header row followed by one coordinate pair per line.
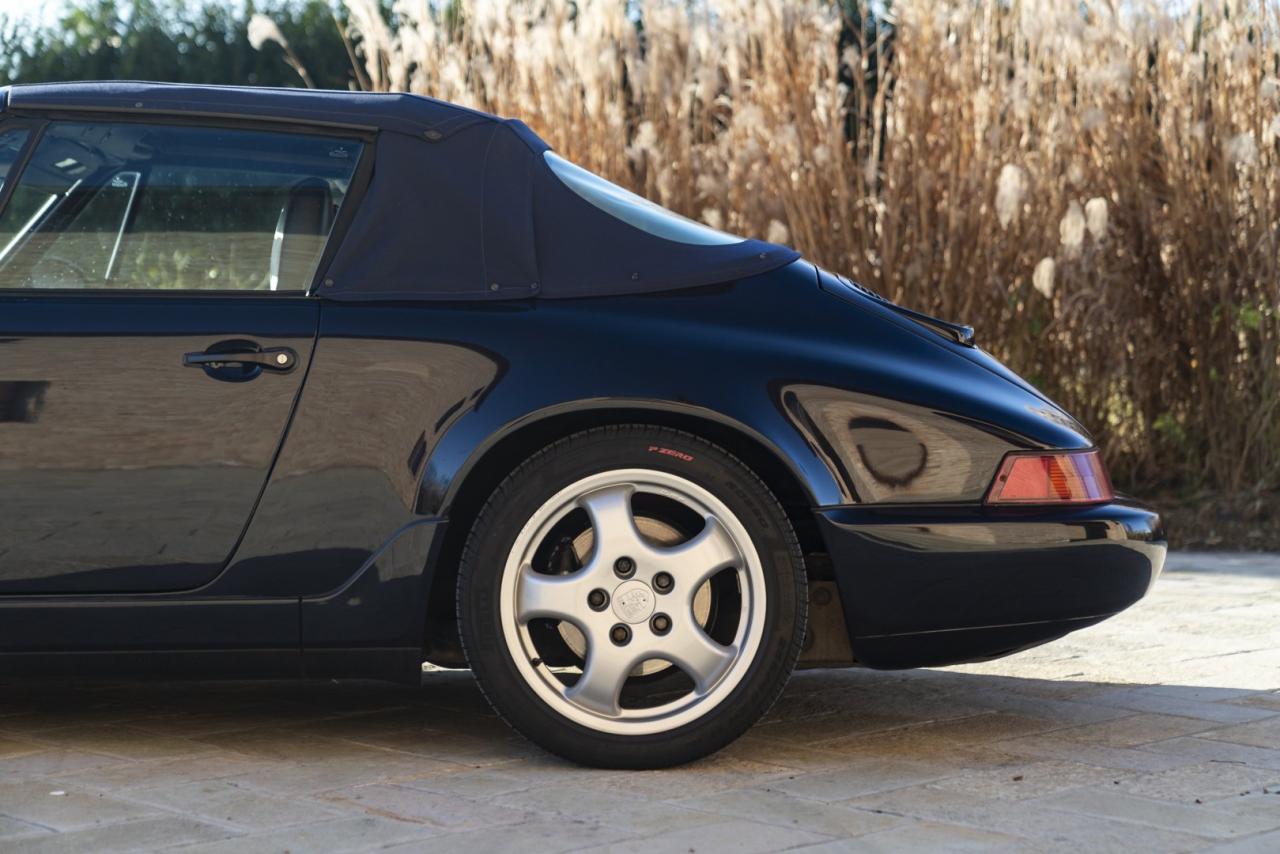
x,y
402,402
121,469
962,582
744,353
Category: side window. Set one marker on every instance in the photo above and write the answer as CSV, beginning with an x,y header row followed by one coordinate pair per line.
x,y
141,206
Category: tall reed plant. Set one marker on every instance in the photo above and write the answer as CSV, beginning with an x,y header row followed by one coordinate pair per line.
x,y
1093,185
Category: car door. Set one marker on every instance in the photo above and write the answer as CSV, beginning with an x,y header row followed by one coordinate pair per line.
x,y
155,331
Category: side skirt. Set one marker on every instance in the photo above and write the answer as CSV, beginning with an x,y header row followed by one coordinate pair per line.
x,y
154,664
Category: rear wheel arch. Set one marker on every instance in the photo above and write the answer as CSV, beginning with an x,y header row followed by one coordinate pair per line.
x,y
477,481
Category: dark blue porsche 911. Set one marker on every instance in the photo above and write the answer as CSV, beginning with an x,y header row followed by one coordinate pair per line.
x,y
333,384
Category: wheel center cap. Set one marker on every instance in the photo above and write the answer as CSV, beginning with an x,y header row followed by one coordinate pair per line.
x,y
632,601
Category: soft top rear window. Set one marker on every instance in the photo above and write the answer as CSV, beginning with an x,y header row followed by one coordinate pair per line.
x,y
634,210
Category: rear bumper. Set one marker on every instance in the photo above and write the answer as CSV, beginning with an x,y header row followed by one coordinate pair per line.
x,y
923,586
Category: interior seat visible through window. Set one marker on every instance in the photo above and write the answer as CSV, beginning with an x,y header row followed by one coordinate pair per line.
x,y
300,232
141,206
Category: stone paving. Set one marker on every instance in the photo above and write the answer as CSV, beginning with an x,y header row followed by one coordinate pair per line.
x,y
1156,731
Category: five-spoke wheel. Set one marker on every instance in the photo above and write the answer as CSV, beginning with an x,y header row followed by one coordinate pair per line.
x,y
613,591
633,599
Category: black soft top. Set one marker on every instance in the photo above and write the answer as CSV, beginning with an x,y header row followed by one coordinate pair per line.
x,y
461,204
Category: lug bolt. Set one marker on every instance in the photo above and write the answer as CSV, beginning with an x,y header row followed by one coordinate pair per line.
x,y
624,567
663,582
597,599
620,634
660,623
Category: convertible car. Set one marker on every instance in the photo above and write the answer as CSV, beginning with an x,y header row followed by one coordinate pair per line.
x,y
332,385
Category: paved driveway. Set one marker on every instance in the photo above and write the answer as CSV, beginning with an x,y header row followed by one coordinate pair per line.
x,y
1156,731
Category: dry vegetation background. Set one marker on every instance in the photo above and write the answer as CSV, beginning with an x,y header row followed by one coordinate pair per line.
x,y
1093,185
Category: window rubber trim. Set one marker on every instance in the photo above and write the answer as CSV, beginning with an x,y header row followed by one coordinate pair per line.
x,y
24,156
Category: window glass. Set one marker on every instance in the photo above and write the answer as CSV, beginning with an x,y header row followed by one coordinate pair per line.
x,y
634,210
141,206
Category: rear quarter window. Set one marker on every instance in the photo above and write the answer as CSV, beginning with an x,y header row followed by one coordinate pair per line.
x,y
634,210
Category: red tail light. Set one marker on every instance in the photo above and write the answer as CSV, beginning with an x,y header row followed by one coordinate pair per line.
x,y
1077,477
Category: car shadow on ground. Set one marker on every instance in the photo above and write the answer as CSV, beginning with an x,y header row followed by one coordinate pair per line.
x,y
825,717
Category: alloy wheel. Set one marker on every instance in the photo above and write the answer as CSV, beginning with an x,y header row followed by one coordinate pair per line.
x,y
658,609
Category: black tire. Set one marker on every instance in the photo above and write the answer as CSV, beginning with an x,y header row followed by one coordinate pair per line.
x,y
566,462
